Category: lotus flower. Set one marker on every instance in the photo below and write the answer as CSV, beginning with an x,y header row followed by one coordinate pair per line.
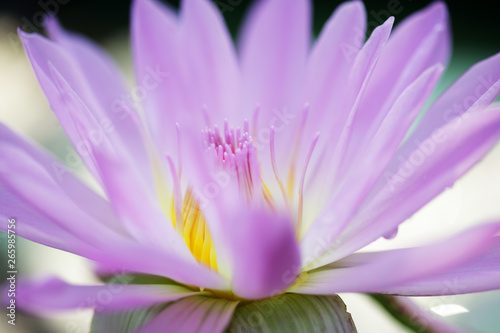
x,y
235,176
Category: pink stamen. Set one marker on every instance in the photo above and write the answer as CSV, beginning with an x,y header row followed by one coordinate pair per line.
x,y
233,150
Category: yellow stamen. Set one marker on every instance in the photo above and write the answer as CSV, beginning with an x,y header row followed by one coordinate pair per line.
x,y
268,197
291,180
195,232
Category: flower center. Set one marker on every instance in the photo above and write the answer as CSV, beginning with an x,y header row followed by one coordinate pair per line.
x,y
234,154
195,232
234,157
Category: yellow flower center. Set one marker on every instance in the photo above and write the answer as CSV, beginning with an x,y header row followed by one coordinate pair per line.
x,y
232,152
195,231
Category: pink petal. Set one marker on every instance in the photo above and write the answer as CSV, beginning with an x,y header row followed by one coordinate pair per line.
x,y
419,42
88,134
80,195
155,46
265,254
114,120
373,272
37,227
480,274
46,214
33,184
337,134
130,257
115,258
359,180
213,65
142,215
274,46
443,161
113,100
195,314
435,165
473,92
139,209
56,295
39,50
330,62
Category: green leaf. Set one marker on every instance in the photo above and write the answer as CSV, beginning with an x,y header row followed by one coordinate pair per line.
x,y
138,279
293,313
123,322
129,321
409,314
290,313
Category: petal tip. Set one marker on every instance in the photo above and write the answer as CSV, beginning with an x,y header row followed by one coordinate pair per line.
x,y
438,9
52,27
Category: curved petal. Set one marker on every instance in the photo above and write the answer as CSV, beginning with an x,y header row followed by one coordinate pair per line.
x,y
55,295
134,258
114,256
88,201
41,52
90,127
473,92
141,215
419,42
213,66
195,314
32,185
46,214
114,101
113,119
359,180
37,227
480,274
330,62
372,272
273,47
161,73
265,254
435,165
199,73
338,132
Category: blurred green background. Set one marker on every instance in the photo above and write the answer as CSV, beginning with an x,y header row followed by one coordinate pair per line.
x,y
473,21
